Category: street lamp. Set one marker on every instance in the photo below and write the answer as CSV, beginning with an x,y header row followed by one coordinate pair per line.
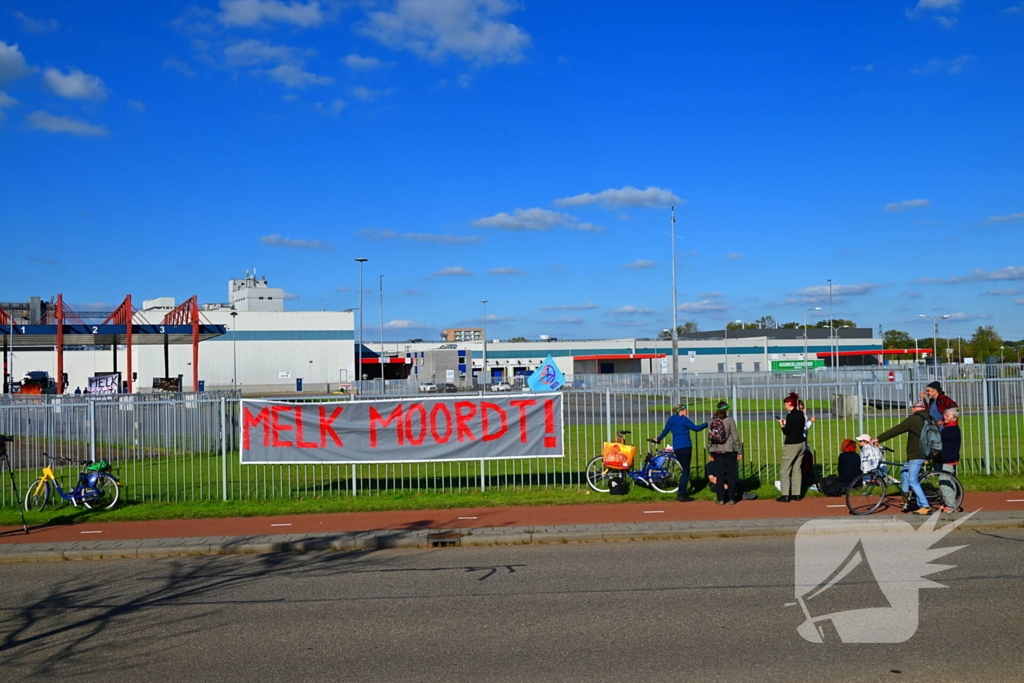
x,y
359,346
483,380
1001,355
380,357
816,308
675,315
234,352
727,345
935,333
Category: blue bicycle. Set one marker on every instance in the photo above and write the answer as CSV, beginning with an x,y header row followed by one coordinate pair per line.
x,y
661,470
96,488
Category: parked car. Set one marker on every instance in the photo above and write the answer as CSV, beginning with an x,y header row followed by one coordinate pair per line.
x,y
428,387
501,386
450,388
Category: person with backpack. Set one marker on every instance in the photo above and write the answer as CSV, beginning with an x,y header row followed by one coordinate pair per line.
x,y
726,449
922,434
680,425
793,446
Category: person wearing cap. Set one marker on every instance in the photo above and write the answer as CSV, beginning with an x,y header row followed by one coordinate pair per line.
x,y
680,425
938,402
910,474
870,458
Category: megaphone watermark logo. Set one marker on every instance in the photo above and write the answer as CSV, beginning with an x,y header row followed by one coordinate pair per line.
x,y
857,580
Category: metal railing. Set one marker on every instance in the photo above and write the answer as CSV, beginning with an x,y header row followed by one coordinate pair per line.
x,y
184,447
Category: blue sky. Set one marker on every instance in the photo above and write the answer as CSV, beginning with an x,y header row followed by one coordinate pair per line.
x,y
525,153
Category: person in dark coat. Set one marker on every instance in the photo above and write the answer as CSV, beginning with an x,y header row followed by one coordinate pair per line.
x,y
680,425
849,463
726,456
793,445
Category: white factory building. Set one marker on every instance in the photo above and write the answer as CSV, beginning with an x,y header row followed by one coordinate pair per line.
x,y
266,349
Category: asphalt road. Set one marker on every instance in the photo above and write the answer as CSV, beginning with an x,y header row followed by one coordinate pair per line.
x,y
707,609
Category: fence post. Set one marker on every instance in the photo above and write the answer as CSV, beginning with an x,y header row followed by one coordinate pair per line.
x,y
224,447
985,411
92,430
860,408
353,479
608,414
483,481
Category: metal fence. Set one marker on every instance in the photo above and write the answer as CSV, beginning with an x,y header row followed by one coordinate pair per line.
x,y
184,447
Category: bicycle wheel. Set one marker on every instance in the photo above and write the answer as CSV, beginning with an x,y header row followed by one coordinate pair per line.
x,y
666,478
104,495
38,495
942,489
599,477
865,495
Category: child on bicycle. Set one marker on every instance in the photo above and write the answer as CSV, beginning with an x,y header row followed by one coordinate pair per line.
x,y
910,473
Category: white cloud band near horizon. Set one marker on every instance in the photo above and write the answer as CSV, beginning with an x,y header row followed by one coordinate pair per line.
x,y
628,196
535,218
277,240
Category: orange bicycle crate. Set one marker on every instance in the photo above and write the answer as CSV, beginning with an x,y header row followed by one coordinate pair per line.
x,y
618,456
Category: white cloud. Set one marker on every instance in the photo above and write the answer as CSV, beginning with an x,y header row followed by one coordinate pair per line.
x,y
1012,218
906,205
652,197
1001,292
950,66
291,296
12,63
364,93
75,85
402,324
982,275
640,264
252,12
332,109
960,316
626,323
534,219
491,318
570,307
506,270
359,63
343,289
453,271
292,76
947,22
732,256
912,295
372,234
276,240
564,321
710,295
290,97
179,66
411,292
838,290
704,306
472,30
137,106
630,310
41,120
943,5
36,25
1016,9
253,52
6,101
465,80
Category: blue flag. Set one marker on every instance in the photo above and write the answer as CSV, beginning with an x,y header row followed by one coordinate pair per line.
x,y
547,377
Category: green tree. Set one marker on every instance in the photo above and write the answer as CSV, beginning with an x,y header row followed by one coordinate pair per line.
x,y
837,323
985,342
897,339
686,328
517,339
790,326
767,322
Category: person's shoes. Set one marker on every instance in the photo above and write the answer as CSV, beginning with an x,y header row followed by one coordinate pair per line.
x,y
732,502
922,511
684,499
796,498
783,499
719,502
907,508
945,509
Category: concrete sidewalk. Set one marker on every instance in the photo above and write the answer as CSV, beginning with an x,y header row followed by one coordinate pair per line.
x,y
465,527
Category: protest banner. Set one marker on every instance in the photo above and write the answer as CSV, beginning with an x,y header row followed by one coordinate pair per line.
x,y
402,430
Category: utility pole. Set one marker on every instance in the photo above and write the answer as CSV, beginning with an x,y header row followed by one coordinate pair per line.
x,y
675,310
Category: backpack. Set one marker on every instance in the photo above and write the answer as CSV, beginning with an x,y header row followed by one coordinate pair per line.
x,y
831,486
617,486
716,432
931,438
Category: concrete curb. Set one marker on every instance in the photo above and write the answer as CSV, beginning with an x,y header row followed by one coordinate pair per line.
x,y
432,538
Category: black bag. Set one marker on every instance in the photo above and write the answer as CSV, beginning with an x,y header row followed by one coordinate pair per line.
x,y
830,486
807,466
617,486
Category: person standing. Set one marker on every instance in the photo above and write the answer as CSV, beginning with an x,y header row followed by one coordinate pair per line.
x,y
726,448
793,446
938,402
680,425
951,440
910,474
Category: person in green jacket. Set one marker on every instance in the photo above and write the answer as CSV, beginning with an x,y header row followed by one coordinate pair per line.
x,y
910,474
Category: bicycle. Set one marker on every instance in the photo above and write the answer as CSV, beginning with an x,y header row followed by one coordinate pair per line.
x,y
97,488
661,470
870,491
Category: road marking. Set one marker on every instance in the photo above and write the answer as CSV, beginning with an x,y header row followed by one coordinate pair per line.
x,y
1016,500
654,512
467,517
835,506
280,525
90,532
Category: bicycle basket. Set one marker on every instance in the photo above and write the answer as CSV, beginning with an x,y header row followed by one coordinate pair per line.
x,y
618,456
99,466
